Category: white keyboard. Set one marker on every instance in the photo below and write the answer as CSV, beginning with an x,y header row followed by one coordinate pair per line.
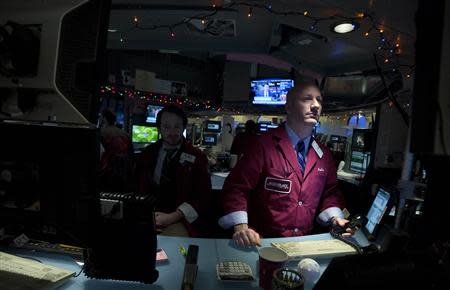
x,y
315,249
20,273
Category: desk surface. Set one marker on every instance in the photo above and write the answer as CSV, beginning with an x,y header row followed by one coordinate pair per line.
x,y
211,252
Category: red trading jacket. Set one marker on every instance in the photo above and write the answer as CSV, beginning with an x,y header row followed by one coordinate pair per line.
x,y
192,180
267,183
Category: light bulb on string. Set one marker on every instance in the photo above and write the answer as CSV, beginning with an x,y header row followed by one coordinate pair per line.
x,y
250,10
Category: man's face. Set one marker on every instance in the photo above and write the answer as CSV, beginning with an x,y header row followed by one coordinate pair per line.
x,y
171,128
305,106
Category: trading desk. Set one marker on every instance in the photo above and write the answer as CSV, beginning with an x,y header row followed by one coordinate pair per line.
x,y
211,252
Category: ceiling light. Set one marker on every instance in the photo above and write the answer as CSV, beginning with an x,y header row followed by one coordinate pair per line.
x,y
112,30
344,27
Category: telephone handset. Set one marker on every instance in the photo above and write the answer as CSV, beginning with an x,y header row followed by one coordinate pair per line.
x,y
355,223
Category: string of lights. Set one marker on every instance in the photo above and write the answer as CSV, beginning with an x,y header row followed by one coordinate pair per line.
x,y
388,50
187,103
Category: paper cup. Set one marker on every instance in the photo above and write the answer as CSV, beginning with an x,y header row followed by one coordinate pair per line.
x,y
270,259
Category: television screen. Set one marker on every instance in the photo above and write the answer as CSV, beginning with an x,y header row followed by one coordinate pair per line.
x,y
209,139
213,126
144,134
152,112
270,91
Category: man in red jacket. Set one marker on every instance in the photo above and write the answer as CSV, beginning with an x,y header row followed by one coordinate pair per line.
x,y
176,174
285,180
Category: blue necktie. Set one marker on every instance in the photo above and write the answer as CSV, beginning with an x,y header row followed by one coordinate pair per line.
x,y
300,156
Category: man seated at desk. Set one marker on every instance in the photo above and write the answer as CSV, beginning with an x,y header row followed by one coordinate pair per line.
x,y
285,180
176,174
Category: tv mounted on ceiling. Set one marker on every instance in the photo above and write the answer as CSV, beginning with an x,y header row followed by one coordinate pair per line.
x,y
271,91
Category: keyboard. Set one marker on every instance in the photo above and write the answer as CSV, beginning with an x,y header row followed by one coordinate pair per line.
x,y
75,252
315,249
22,273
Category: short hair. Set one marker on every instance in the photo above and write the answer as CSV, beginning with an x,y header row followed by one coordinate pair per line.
x,y
250,126
300,86
109,115
174,110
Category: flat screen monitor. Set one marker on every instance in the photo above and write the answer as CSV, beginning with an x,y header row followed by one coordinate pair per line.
x,y
144,134
209,139
379,209
213,126
262,127
361,139
48,186
152,112
359,161
270,91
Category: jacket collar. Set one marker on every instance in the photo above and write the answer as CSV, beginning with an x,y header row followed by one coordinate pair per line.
x,y
286,146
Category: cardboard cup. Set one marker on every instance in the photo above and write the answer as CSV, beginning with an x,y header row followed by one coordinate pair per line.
x,y
270,259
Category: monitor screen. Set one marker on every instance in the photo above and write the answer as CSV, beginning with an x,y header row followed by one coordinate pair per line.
x,y
152,112
262,127
380,207
49,189
359,161
213,126
144,134
361,139
270,91
209,139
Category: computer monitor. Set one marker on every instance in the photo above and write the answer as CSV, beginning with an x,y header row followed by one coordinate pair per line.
x,y
359,161
361,139
152,112
379,210
144,134
209,139
213,126
48,181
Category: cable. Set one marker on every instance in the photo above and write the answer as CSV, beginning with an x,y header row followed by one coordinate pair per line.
x,y
30,258
403,114
348,242
81,270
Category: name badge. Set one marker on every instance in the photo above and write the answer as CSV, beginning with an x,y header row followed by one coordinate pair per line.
x,y
278,185
316,148
185,157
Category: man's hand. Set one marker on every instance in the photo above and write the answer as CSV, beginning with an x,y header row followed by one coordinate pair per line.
x,y
336,221
163,220
245,237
